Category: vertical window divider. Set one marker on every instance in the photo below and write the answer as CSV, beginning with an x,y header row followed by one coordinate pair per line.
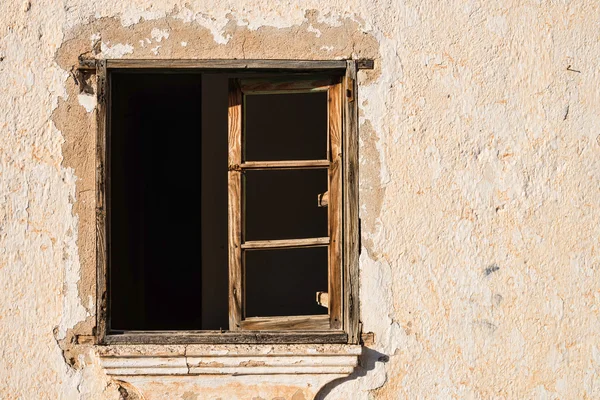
x,y
102,176
234,209
335,206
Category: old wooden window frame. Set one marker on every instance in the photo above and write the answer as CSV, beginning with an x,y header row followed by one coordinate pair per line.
x,y
239,88
344,319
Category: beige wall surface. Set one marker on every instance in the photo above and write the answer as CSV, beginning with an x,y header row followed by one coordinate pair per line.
x,y
479,176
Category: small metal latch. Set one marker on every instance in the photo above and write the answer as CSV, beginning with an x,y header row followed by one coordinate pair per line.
x,y
323,299
323,199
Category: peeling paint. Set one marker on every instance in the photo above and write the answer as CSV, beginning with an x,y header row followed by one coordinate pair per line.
x,y
158,34
87,101
116,51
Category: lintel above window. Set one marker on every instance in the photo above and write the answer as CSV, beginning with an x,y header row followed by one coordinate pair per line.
x,y
227,201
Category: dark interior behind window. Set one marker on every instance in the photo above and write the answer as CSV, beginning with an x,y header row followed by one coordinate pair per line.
x,y
167,214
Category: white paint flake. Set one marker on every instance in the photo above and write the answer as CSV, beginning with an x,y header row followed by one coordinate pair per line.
x,y
116,51
73,310
88,101
133,15
216,24
316,31
159,34
95,38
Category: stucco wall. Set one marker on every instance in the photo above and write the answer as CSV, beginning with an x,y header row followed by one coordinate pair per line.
x,y
480,184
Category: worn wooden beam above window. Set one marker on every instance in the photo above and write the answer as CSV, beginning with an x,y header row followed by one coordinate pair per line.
x,y
219,64
365,63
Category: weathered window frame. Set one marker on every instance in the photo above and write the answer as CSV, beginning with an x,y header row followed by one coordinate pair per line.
x,y
238,90
345,318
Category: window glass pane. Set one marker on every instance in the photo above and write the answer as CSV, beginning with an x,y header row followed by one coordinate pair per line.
x,y
282,204
285,126
285,281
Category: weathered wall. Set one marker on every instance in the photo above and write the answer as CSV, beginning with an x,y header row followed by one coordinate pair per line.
x,y
480,274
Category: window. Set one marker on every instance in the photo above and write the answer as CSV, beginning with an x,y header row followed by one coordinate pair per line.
x,y
227,202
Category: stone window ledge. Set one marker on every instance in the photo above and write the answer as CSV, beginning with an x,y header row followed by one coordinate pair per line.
x,y
227,371
132,360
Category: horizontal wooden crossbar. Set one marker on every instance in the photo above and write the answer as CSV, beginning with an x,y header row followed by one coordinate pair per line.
x,y
285,243
285,164
302,322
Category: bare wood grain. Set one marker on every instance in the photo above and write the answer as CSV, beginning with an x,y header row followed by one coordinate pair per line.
x,y
102,88
285,243
365,63
281,86
234,209
226,337
311,65
351,204
335,207
303,322
299,164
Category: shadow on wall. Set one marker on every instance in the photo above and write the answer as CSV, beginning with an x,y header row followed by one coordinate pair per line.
x,y
366,362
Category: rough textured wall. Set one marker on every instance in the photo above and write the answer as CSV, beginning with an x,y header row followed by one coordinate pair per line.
x,y
480,274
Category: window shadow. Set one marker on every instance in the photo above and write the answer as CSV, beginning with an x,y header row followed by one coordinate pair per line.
x,y
366,362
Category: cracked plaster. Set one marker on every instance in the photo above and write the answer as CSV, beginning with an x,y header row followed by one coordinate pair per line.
x,y
479,182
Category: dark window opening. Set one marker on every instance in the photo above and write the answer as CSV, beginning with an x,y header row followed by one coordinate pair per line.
x,y
282,204
168,206
291,126
295,275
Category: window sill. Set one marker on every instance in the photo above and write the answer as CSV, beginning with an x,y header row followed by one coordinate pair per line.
x,y
228,359
228,369
226,337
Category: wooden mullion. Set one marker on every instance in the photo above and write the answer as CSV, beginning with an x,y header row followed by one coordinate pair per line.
x,y
234,209
351,204
102,254
285,243
334,206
